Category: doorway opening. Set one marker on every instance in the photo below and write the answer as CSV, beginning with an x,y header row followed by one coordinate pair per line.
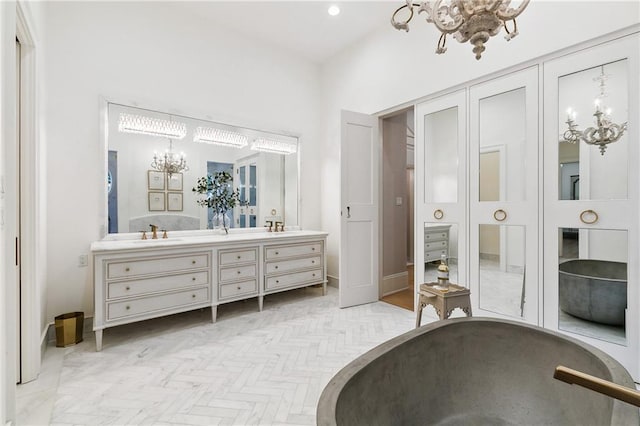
x,y
397,233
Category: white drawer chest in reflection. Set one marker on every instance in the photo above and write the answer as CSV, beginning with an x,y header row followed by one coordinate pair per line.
x,y
436,242
137,280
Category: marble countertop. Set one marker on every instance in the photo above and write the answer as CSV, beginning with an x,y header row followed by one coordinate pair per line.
x,y
178,239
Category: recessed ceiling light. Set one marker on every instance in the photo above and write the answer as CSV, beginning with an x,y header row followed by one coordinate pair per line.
x,y
333,10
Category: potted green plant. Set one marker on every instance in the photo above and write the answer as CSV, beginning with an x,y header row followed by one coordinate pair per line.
x,y
218,195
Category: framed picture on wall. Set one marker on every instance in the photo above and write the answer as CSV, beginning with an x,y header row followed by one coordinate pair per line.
x,y
174,182
155,180
156,201
174,201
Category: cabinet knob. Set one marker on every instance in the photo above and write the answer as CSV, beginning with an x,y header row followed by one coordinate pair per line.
x,y
193,278
313,249
239,257
128,288
277,253
239,272
193,262
276,266
127,269
193,296
239,288
313,275
128,307
313,261
277,281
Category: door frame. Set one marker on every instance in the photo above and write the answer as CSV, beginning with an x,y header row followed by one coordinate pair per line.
x,y
32,246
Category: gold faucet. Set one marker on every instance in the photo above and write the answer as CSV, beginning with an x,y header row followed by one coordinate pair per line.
x,y
270,223
154,230
281,226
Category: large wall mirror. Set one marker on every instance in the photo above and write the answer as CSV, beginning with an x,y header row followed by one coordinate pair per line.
x,y
264,167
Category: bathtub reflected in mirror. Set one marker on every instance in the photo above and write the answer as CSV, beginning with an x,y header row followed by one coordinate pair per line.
x,y
592,283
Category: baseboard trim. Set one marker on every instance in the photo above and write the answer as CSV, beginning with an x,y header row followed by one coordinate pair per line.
x,y
333,281
394,283
44,341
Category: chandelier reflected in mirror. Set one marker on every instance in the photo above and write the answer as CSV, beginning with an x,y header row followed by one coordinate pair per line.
x,y
170,162
605,132
474,21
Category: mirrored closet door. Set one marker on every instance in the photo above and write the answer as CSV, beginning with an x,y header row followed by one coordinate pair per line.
x,y
591,198
441,188
503,196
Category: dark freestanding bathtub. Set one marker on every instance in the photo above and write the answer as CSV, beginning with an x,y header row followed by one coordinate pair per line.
x,y
594,290
474,371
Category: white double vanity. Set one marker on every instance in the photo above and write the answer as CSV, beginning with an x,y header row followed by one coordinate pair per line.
x,y
196,266
138,279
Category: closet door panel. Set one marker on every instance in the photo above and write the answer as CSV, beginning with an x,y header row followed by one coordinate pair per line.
x,y
503,196
441,187
591,258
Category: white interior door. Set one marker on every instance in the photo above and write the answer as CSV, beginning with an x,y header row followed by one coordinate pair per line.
x,y
440,188
503,196
591,227
359,193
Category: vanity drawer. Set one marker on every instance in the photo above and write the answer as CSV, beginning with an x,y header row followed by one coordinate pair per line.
x,y
134,267
281,281
434,245
238,273
127,308
435,236
278,252
430,256
154,285
238,256
293,264
228,291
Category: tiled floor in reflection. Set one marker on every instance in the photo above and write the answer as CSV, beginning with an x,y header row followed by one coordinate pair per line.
x,y
248,368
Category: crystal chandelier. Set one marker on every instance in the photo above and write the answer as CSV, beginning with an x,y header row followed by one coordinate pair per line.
x,y
132,123
273,146
219,137
605,132
474,21
170,162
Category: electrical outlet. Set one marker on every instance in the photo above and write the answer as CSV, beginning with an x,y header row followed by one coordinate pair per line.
x,y
83,260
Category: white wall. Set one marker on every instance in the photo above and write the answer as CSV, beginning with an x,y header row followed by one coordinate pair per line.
x,y
149,53
390,67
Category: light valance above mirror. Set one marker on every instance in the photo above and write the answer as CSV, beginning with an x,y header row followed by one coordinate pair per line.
x,y
154,159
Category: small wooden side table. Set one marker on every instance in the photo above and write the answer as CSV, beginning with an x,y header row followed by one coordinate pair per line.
x,y
443,301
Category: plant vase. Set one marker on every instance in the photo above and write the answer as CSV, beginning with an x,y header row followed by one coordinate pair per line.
x,y
221,221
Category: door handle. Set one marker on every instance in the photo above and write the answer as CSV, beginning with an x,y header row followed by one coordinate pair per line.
x,y
348,212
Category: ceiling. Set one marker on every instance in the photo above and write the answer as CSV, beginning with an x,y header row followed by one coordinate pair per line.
x,y
303,27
